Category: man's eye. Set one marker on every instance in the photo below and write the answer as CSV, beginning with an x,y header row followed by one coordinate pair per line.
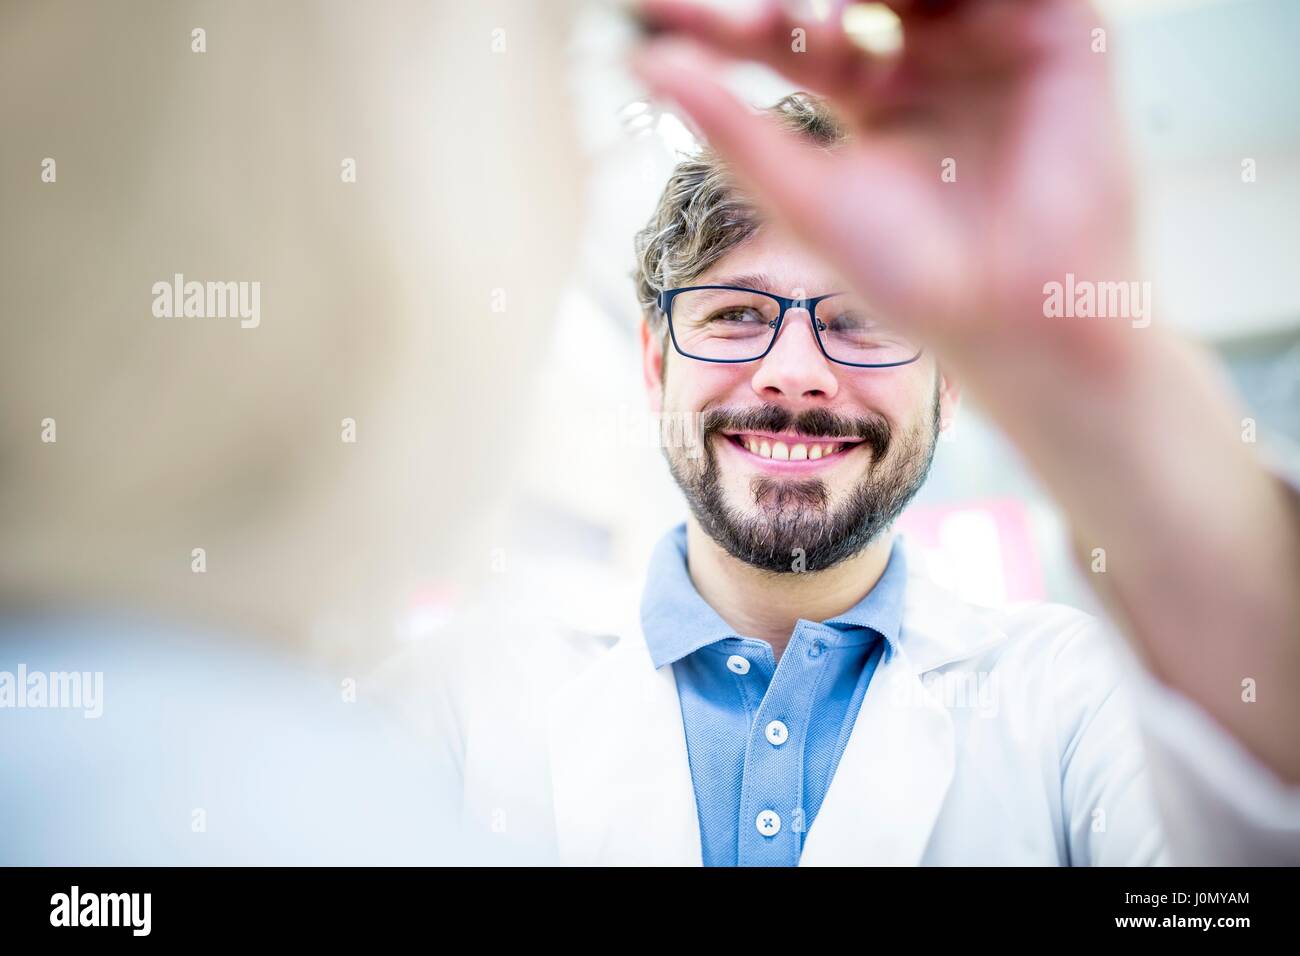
x,y
733,316
853,321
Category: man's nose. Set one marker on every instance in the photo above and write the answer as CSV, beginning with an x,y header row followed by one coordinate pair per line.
x,y
795,366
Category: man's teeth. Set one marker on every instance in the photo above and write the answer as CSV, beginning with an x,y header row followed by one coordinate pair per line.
x,y
783,452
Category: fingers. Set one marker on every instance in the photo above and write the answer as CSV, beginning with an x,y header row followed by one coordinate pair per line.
x,y
867,213
781,172
816,55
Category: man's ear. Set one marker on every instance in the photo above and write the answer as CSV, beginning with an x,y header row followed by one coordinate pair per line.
x,y
949,398
652,364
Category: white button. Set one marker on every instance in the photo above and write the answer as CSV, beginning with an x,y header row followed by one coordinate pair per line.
x,y
778,733
737,664
768,823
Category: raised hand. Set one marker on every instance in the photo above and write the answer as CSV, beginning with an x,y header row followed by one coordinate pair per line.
x,y
986,161
1131,429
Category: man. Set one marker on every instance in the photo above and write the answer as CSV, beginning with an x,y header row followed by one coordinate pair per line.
x,y
985,167
793,691
784,603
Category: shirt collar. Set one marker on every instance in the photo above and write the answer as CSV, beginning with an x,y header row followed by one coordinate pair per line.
x,y
676,621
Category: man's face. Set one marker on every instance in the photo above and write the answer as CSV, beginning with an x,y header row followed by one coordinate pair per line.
x,y
858,441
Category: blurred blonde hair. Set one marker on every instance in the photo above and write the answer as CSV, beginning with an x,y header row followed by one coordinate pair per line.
x,y
376,298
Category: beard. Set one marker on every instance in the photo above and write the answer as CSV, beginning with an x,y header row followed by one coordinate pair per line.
x,y
793,526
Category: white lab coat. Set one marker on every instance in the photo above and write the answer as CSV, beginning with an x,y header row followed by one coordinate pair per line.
x,y
1021,736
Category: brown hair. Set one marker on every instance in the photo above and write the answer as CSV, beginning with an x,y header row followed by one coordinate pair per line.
x,y
701,216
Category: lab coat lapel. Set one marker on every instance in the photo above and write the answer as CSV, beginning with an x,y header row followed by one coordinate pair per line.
x,y
889,787
621,781
891,780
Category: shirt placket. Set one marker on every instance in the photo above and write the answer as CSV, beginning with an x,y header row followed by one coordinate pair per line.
x,y
772,817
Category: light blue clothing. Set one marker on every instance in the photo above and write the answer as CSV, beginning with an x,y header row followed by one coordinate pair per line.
x,y
129,742
763,738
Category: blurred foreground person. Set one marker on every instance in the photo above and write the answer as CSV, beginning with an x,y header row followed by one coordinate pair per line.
x,y
211,520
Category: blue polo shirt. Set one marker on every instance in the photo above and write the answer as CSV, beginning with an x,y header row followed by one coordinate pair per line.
x,y
763,738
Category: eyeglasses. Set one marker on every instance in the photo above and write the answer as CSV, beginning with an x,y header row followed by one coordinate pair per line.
x,y
727,323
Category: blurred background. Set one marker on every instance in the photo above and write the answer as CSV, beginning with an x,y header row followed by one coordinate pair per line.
x,y
1204,84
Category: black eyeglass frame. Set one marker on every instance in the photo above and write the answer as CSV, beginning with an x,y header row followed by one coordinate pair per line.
x,y
664,301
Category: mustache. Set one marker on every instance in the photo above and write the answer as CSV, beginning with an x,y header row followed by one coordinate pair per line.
x,y
812,422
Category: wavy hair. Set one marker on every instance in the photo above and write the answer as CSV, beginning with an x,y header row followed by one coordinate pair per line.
x,y
701,215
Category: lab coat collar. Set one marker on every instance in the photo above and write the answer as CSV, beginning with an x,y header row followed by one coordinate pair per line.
x,y
621,780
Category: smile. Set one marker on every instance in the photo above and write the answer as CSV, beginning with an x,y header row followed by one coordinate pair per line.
x,y
790,452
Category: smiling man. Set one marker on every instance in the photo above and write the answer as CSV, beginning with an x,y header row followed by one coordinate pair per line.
x,y
985,164
792,689
819,423
781,605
